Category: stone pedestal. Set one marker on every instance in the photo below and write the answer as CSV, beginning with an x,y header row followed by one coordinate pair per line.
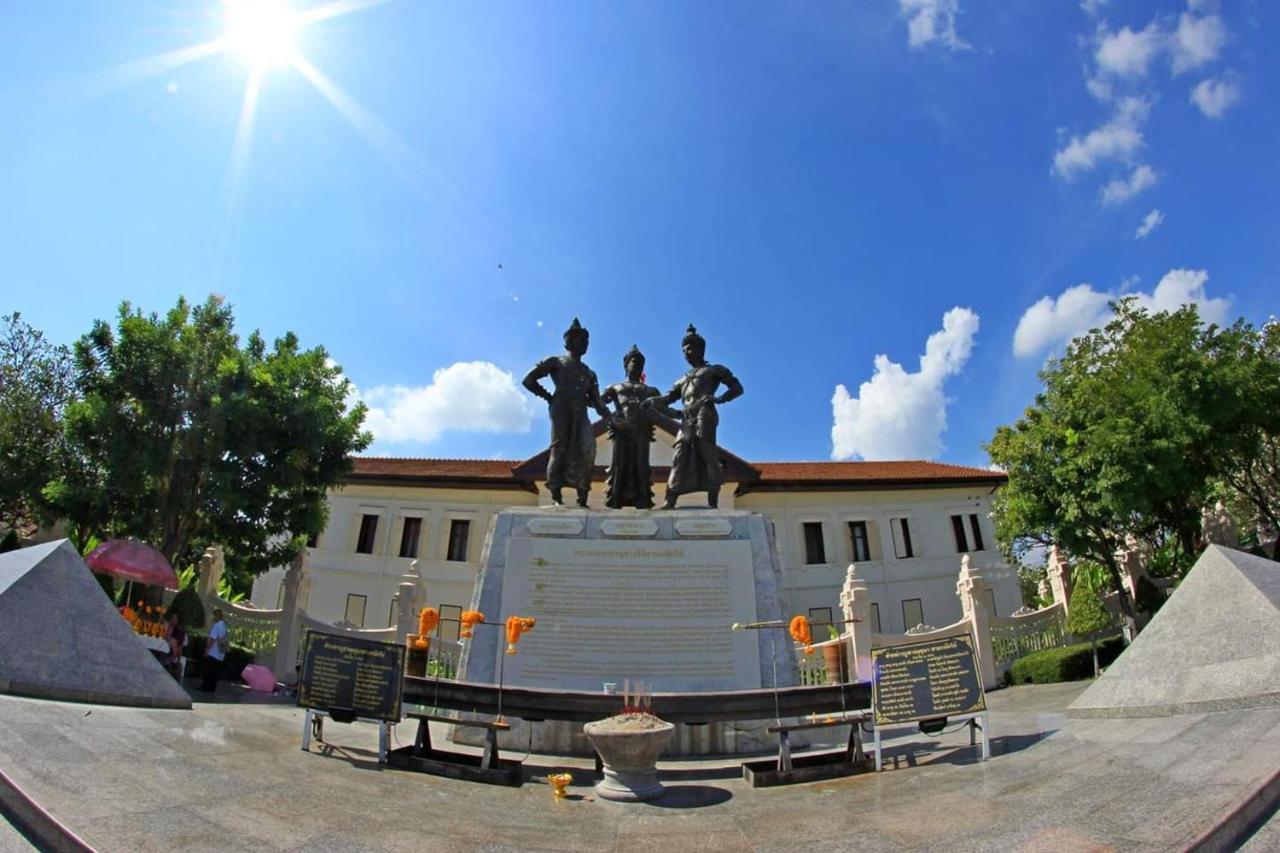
x,y
642,595
630,759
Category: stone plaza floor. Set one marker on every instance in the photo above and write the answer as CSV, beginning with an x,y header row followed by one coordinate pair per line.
x,y
229,775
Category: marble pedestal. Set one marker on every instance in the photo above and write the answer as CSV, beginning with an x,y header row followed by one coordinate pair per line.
x,y
642,595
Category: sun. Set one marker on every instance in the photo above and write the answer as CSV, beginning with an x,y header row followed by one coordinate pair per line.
x,y
265,32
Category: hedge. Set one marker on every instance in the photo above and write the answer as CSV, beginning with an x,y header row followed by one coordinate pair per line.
x,y
1066,663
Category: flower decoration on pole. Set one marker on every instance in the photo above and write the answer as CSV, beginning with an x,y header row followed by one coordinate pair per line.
x,y
801,633
469,619
428,619
517,625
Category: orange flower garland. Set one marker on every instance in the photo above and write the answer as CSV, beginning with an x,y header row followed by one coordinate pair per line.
x,y
801,634
517,625
469,619
428,618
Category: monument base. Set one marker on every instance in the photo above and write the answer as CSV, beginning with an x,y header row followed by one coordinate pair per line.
x,y
628,597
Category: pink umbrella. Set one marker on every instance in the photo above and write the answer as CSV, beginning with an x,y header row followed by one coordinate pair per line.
x,y
132,561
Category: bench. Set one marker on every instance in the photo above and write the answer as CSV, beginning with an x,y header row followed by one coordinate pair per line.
x,y
487,767
827,765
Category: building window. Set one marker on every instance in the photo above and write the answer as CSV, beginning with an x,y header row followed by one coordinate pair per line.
x,y
312,540
991,602
861,544
901,530
875,617
957,527
820,617
391,613
450,622
912,613
409,537
280,596
354,614
368,532
814,552
459,530
977,533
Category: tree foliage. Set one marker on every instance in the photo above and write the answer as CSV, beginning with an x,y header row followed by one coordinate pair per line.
x,y
183,437
1125,441
36,383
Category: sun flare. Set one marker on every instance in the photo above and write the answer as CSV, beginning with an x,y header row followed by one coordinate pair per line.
x,y
265,32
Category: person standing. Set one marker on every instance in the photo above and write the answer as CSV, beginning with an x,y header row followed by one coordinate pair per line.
x,y
696,464
573,445
215,652
627,482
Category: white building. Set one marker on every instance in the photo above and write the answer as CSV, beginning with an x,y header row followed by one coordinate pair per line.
x,y
906,525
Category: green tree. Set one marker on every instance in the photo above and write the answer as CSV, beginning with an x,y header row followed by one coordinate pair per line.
x,y
1252,482
1134,424
184,438
1086,617
36,383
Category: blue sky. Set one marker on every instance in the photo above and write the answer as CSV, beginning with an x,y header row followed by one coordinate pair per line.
x,y
832,192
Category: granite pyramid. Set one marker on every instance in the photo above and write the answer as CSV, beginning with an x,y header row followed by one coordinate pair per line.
x,y
1214,645
60,637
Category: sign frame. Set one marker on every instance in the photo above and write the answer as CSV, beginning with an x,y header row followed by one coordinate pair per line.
x,y
391,712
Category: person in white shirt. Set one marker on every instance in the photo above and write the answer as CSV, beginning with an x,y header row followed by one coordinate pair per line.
x,y
215,652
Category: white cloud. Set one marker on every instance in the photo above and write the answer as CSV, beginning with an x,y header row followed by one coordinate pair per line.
x,y
1118,139
1122,189
1078,309
1128,53
901,415
468,396
932,20
1215,95
1196,41
1092,7
1150,222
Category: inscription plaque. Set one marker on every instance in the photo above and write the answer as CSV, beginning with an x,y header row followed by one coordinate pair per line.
x,y
703,527
556,526
935,678
622,527
656,611
347,672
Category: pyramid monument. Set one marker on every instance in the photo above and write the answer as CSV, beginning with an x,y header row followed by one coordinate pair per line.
x,y
61,638
1213,646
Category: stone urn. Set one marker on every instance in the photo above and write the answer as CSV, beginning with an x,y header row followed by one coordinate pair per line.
x,y
629,745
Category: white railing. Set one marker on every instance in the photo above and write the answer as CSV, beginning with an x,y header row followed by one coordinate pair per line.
x,y
915,635
249,627
1034,631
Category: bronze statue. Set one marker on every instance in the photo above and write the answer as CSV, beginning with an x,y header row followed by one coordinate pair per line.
x,y
573,446
696,466
631,428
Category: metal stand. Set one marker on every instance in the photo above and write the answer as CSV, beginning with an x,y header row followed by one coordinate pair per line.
x,y
975,723
313,726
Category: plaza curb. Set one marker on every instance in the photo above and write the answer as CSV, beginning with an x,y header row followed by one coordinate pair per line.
x,y
41,829
1235,828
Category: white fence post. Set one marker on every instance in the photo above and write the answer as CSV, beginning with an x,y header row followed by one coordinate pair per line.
x,y
1058,570
407,604
855,603
973,588
297,588
211,568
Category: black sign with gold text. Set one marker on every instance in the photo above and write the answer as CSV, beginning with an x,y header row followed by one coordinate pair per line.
x,y
349,673
934,678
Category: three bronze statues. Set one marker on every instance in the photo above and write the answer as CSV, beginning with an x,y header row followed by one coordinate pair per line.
x,y
696,464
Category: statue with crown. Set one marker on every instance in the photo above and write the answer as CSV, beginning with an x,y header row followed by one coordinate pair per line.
x,y
696,465
573,445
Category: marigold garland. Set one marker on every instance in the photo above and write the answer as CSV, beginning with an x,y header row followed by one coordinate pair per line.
x,y
469,619
801,633
517,625
428,619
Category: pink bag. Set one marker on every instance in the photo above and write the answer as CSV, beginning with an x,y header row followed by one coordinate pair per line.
x,y
259,678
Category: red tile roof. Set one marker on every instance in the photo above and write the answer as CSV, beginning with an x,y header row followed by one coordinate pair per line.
x,y
907,470
772,475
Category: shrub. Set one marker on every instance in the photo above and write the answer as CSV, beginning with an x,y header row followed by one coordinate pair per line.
x,y
1150,597
1066,663
1086,615
188,607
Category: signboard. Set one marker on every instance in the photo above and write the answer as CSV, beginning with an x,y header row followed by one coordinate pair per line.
x,y
349,673
919,681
